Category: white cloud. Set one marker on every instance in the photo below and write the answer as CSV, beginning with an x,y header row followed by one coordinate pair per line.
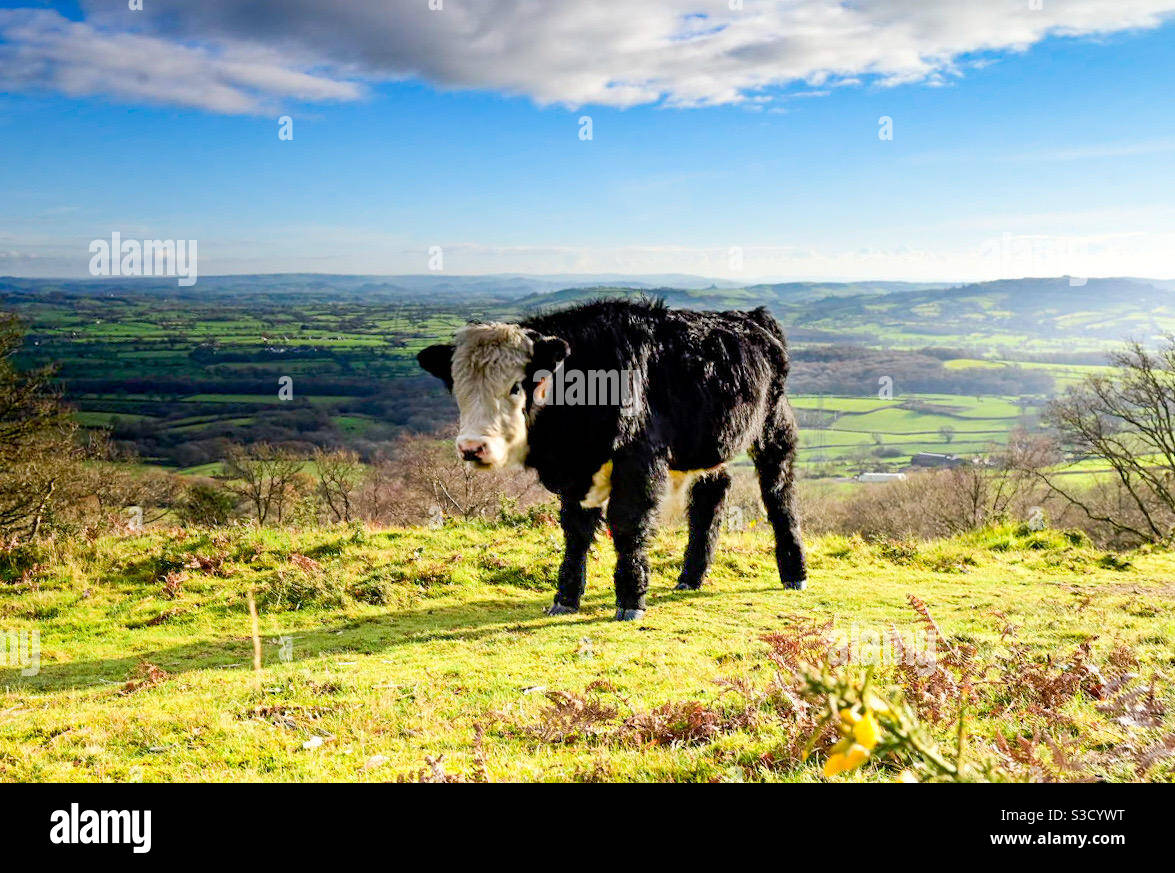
x,y
228,56
43,50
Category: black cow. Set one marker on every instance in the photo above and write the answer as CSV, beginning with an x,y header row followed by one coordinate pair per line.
x,y
697,389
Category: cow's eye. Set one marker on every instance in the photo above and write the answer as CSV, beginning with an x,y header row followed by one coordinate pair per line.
x,y
516,390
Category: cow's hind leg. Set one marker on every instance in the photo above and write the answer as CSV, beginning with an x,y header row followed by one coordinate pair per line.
x,y
705,504
774,458
579,530
637,482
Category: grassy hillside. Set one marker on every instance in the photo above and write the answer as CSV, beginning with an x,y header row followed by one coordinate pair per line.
x,y
1012,317
419,652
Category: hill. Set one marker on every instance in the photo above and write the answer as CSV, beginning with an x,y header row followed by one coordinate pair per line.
x,y
727,295
415,653
1007,317
1004,316
326,287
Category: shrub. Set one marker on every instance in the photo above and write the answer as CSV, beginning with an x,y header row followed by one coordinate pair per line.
x,y
205,504
17,561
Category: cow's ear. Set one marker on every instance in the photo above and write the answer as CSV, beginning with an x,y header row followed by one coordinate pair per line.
x,y
438,360
549,353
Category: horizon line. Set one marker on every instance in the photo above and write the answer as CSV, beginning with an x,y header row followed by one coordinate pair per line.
x,y
737,283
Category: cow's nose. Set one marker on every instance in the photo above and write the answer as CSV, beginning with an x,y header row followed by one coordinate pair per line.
x,y
471,450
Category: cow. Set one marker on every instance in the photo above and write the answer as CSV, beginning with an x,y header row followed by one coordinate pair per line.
x,y
703,387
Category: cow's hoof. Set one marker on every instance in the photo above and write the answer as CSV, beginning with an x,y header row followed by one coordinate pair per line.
x,y
795,584
560,609
685,586
623,614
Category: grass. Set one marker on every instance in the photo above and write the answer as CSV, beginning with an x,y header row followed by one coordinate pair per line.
x,y
413,651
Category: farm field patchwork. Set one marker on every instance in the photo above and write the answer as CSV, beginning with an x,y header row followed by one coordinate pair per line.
x,y
178,377
847,429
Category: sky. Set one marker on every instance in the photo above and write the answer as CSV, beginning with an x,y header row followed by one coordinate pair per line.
x,y
796,140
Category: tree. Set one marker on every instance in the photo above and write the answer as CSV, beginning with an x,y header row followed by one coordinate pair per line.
x,y
266,477
117,490
1126,420
424,481
38,450
947,432
339,475
206,504
981,493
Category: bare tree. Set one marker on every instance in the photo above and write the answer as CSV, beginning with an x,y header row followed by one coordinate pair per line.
x,y
339,477
111,484
265,476
985,491
424,480
459,490
1127,421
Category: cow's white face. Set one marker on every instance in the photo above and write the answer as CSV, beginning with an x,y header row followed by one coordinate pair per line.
x,y
487,369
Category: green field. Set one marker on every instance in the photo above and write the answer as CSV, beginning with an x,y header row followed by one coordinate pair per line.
x,y
178,374
404,644
854,430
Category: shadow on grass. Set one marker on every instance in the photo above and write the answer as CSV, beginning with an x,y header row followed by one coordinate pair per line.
x,y
370,635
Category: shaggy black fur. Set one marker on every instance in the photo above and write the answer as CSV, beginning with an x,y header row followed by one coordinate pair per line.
x,y
711,385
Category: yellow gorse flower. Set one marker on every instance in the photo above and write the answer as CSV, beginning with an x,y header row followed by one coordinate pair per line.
x,y
867,731
860,733
845,756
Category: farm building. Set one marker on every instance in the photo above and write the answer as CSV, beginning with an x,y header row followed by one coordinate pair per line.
x,y
935,459
881,477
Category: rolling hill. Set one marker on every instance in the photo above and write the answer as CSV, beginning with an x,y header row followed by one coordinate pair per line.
x,y
1010,317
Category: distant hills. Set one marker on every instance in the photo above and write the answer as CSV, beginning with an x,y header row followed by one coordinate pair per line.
x,y
501,287
1013,315
730,296
1048,315
1004,317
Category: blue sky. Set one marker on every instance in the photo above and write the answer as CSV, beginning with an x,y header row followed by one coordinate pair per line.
x,y
1048,158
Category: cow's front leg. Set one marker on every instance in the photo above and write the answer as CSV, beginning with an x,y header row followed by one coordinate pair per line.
x,y
579,530
637,483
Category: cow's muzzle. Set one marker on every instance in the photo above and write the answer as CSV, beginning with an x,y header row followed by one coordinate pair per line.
x,y
473,450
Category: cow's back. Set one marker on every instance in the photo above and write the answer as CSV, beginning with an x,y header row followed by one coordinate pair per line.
x,y
705,382
718,374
